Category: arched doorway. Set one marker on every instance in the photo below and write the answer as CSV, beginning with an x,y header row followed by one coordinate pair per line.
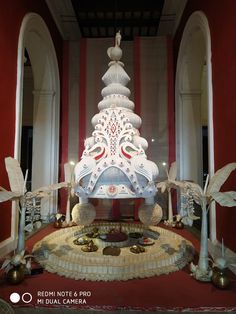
x,y
194,105
35,38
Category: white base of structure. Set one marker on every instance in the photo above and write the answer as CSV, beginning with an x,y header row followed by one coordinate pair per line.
x,y
169,252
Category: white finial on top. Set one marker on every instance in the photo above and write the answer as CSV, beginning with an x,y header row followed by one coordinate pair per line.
x,y
118,38
115,53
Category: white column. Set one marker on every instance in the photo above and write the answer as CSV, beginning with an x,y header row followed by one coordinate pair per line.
x,y
43,147
191,137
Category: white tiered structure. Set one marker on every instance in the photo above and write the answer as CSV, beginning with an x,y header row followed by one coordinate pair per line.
x,y
114,164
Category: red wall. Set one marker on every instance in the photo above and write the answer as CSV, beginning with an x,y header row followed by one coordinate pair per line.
x,y
11,15
222,24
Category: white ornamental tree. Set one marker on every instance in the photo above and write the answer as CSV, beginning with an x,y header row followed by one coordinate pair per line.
x,y
19,194
204,198
168,185
70,183
172,183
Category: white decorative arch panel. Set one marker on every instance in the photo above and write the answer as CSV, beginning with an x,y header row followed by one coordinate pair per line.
x,y
35,37
194,57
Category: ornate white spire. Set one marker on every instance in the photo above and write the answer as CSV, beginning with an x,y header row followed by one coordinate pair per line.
x,y
114,163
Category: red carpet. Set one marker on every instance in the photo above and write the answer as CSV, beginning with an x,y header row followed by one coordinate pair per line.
x,y
176,291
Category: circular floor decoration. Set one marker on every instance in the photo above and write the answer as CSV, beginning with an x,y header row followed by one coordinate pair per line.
x,y
58,253
5,308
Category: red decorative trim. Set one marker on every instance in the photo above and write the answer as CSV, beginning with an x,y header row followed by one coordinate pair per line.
x,y
100,155
171,109
125,154
137,78
82,94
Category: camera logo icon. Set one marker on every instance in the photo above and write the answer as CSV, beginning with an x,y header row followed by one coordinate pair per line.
x,y
25,297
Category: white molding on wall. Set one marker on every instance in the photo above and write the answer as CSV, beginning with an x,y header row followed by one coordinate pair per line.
x,y
64,16
56,18
197,21
181,7
34,24
171,16
191,93
36,38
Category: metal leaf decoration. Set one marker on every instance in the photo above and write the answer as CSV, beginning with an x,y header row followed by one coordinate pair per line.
x,y
225,198
68,170
6,263
219,178
15,175
7,195
49,188
177,184
162,186
173,171
215,250
196,192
